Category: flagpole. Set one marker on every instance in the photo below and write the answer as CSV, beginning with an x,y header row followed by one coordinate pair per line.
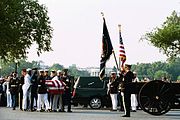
x,y
115,60
119,26
112,50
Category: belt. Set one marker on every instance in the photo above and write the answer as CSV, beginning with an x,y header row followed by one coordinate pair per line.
x,y
13,85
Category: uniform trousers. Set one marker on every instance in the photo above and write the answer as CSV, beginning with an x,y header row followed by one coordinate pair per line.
x,y
126,98
13,96
20,99
55,102
114,101
26,95
9,99
43,99
133,102
67,100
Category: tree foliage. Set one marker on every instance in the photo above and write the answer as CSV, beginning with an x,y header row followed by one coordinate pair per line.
x,y
157,70
178,78
160,74
56,66
167,37
22,24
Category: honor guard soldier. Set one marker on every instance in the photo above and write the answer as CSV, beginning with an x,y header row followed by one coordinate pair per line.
x,y
26,89
47,77
6,88
34,87
60,78
113,90
21,82
42,93
14,81
68,85
1,92
127,78
134,102
53,105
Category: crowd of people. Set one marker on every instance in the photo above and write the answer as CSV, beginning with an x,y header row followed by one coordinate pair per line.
x,y
37,90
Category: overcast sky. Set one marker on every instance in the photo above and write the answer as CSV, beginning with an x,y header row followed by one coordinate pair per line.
x,y
78,26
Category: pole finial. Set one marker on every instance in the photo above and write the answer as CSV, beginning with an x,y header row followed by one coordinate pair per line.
x,y
119,27
102,14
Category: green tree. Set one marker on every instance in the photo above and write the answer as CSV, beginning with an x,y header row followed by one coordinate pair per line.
x,y
174,68
22,24
56,66
160,73
178,78
167,38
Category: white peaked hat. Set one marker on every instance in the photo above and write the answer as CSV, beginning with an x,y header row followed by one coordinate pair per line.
x,y
41,70
113,72
59,71
29,69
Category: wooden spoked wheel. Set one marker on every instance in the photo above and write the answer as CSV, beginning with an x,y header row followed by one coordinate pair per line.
x,y
155,97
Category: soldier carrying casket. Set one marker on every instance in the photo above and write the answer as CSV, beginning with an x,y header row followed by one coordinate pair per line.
x,y
14,82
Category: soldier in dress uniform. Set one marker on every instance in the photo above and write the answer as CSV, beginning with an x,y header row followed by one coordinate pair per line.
x,y
127,78
113,90
14,82
42,93
47,77
26,89
21,82
34,87
68,86
60,78
134,102
53,99
6,88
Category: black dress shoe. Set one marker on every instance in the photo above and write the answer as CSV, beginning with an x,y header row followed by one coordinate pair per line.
x,y
113,110
69,111
126,116
54,110
133,110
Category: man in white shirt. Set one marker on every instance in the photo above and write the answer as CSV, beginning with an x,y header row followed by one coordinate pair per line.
x,y
26,88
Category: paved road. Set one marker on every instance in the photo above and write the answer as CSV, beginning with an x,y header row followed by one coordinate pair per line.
x,y
83,114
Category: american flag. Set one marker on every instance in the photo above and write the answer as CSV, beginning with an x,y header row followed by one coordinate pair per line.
x,y
55,86
122,54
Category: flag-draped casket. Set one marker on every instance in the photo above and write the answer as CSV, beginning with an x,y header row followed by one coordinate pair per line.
x,y
55,86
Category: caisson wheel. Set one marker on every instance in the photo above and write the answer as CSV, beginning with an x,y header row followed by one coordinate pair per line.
x,y
155,97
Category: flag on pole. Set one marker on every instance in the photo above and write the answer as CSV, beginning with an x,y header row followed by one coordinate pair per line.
x,y
107,49
122,54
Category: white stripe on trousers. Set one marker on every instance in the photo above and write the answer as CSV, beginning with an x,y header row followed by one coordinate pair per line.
x,y
122,94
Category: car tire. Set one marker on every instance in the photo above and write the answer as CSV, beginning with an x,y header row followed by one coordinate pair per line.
x,y
95,103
